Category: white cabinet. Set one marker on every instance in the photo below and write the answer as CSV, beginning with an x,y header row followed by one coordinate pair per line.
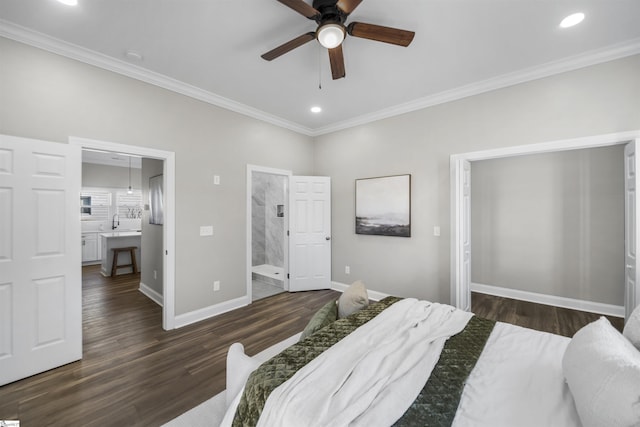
x,y
90,248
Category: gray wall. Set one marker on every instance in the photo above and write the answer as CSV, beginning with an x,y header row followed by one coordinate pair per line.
x,y
551,223
94,175
152,234
267,227
595,100
49,97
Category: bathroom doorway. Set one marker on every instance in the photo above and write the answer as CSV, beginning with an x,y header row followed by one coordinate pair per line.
x,y
267,248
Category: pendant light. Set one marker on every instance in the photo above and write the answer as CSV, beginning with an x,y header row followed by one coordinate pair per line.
x,y
129,191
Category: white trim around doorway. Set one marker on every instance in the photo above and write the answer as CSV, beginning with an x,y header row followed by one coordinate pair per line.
x,y
169,244
287,174
459,285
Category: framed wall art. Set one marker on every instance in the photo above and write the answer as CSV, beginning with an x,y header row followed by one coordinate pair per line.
x,y
383,206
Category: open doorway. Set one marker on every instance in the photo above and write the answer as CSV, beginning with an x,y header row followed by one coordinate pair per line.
x,y
549,228
267,242
110,208
461,208
159,263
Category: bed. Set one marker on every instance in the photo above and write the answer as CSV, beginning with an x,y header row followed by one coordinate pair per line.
x,y
406,362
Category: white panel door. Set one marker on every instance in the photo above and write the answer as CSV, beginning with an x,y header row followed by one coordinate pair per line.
x,y
461,234
465,296
632,294
40,257
310,233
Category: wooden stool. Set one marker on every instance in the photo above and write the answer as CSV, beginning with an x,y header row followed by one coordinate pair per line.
x,y
115,266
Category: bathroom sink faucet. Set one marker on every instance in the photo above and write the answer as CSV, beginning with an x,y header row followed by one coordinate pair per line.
x,y
115,222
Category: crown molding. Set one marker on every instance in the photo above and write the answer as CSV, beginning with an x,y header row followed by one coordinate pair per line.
x,y
594,57
24,35
33,38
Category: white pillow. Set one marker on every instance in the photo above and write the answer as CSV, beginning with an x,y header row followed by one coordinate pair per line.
x,y
239,367
602,370
632,328
353,299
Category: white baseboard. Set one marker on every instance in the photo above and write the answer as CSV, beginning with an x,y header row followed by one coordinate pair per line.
x,y
373,295
574,304
151,294
211,311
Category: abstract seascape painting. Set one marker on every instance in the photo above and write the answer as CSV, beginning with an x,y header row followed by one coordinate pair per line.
x,y
383,206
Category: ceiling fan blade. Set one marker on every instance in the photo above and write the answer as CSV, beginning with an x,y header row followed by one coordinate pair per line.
x,y
380,33
288,46
301,7
348,6
336,58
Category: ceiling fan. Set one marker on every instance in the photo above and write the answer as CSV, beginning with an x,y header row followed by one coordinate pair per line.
x,y
331,15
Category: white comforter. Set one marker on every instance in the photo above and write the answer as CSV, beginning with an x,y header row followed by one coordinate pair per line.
x,y
373,375
518,381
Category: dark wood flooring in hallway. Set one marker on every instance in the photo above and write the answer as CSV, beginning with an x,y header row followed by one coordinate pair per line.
x,y
134,373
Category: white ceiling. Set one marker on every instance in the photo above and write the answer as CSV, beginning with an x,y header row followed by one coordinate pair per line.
x,y
210,49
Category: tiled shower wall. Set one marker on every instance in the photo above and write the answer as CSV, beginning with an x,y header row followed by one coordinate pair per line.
x,y
267,227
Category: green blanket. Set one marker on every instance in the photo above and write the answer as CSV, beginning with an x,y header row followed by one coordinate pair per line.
x,y
437,402
280,368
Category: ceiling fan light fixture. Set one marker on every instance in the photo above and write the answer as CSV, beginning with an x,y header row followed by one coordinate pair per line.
x,y
330,35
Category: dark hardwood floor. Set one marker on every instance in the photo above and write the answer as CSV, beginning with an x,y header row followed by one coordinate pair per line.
x,y
133,373
557,320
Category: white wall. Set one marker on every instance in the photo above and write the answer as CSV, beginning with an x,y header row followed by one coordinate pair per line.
x,y
596,100
551,223
49,97
95,175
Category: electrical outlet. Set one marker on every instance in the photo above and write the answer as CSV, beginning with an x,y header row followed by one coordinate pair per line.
x,y
216,286
347,269
155,274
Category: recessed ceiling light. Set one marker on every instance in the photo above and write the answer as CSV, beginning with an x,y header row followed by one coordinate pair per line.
x,y
316,109
571,20
69,2
133,55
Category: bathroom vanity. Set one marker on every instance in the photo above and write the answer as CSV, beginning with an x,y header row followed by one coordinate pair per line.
x,y
119,239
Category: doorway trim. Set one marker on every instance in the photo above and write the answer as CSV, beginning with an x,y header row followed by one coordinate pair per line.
x,y
168,239
287,174
460,285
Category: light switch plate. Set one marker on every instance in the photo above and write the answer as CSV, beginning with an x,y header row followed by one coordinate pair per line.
x,y
216,179
436,230
206,230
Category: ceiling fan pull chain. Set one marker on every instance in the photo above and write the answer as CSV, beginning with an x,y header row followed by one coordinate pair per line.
x,y
319,67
